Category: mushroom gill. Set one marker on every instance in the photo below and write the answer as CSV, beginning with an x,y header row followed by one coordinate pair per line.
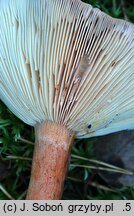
x,y
65,62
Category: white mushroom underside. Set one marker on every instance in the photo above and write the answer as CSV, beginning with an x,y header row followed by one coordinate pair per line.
x,y
62,60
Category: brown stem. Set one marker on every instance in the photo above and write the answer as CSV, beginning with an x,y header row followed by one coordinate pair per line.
x,y
50,161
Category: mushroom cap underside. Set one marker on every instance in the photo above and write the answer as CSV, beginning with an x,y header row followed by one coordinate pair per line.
x,y
64,61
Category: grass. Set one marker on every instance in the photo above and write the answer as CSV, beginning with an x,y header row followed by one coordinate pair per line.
x,y
16,146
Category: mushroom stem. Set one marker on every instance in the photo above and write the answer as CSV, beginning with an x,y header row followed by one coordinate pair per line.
x,y
50,161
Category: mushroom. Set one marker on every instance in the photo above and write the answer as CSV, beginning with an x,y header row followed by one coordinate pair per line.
x,y
68,70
